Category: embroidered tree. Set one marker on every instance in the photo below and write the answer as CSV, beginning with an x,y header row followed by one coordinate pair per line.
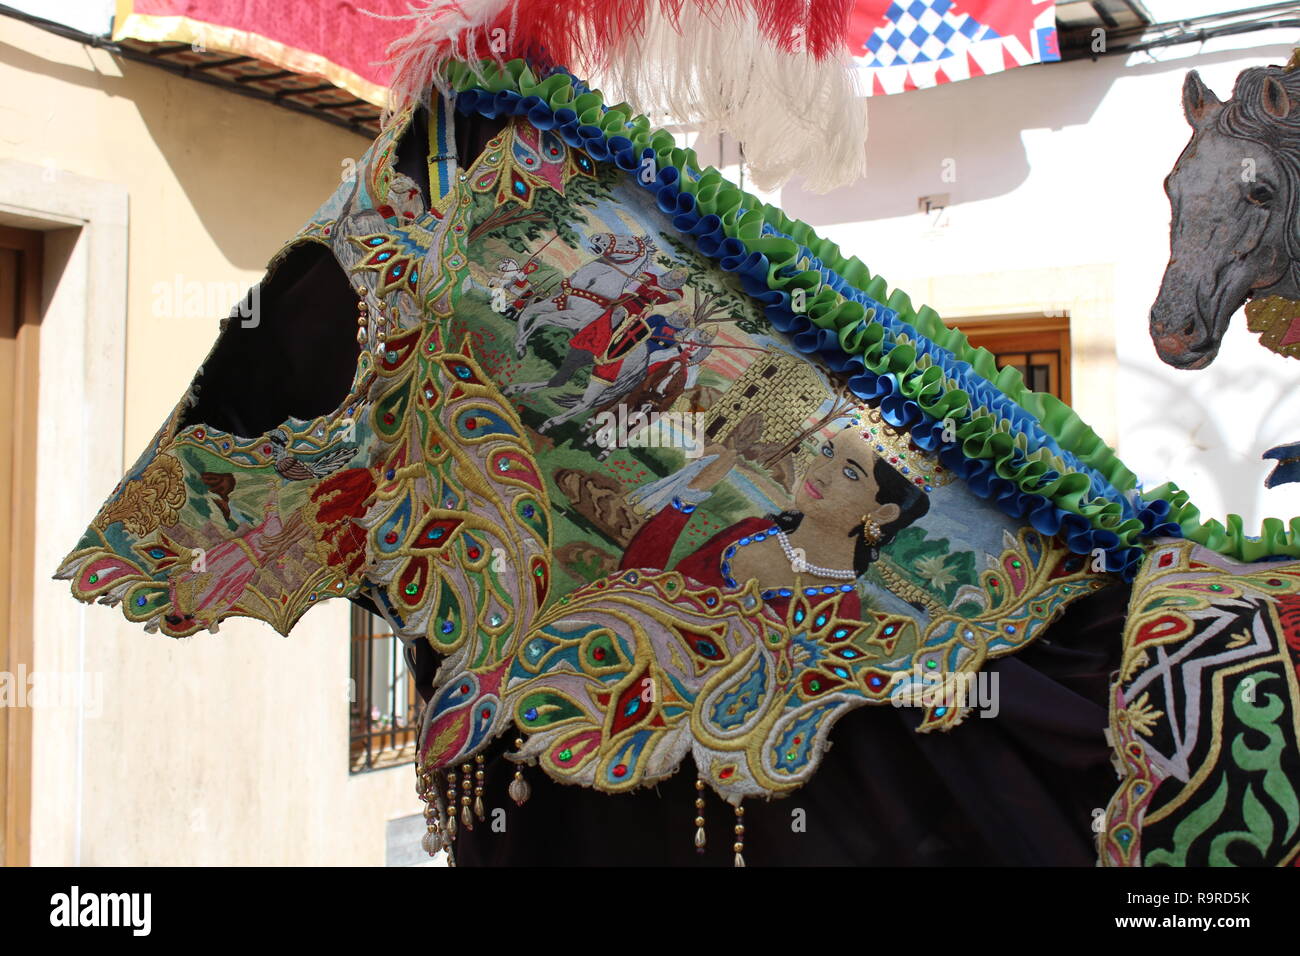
x,y
707,281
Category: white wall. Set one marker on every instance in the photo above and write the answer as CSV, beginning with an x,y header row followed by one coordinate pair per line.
x,y
217,749
1060,167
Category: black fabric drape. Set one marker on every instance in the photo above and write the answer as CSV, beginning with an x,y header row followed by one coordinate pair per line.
x,y
1016,789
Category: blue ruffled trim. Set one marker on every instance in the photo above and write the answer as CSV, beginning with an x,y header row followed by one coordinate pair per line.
x,y
732,255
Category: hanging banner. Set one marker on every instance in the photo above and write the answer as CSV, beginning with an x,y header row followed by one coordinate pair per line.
x,y
903,45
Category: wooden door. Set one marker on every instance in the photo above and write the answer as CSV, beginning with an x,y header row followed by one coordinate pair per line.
x,y
20,271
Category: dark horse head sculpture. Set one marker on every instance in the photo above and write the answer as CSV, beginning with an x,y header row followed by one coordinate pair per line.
x,y
1233,194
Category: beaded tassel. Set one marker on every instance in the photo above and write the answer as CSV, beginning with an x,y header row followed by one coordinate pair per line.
x,y
699,815
363,315
739,845
431,843
478,787
466,814
519,789
451,807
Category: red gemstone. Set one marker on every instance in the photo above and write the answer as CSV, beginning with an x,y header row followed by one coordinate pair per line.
x,y
471,423
199,434
798,740
266,449
727,772
620,770
1166,559
473,552
391,537
485,713
464,688
389,418
599,653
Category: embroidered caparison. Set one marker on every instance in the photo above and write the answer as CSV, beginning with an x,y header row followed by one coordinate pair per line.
x,y
604,441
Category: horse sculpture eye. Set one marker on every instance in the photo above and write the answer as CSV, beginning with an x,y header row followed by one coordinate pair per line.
x,y
1260,195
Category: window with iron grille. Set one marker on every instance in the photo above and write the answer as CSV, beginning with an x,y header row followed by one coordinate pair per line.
x,y
385,705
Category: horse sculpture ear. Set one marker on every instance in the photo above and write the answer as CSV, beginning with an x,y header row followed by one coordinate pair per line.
x,y
1198,99
1274,99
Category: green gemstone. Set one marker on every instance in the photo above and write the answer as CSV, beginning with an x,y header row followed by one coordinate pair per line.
x,y
537,571
932,664
1015,564
790,755
815,685
1216,587
94,579
437,449
566,754
412,588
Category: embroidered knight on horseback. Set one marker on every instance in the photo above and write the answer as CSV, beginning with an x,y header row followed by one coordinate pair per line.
x,y
611,302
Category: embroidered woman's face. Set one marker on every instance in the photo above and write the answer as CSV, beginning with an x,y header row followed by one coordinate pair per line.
x,y
840,485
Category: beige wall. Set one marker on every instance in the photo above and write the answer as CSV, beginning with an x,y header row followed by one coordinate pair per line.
x,y
216,749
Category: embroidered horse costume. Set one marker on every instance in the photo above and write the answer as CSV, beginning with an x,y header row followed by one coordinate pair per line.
x,y
643,471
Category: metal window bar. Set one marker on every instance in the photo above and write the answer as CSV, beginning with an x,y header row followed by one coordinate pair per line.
x,y
384,709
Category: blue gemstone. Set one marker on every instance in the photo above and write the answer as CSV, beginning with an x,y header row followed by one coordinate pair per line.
x,y
390,474
140,601
846,588
941,711
730,552
809,591
786,592
821,619
632,706
768,595
710,600
1011,629
841,632
798,616
743,541
448,627
828,589
530,713
760,536
928,488
840,671
529,511
850,653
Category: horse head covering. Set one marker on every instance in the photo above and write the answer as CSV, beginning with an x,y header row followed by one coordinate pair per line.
x,y
653,470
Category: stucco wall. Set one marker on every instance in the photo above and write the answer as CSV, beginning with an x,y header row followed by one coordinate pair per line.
x,y
225,749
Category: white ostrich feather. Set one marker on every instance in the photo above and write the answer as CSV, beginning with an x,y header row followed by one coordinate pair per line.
x,y
713,70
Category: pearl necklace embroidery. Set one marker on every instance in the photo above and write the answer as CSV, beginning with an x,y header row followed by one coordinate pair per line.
x,y
802,566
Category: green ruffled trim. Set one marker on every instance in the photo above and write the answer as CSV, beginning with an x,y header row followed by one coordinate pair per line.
x,y
982,433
